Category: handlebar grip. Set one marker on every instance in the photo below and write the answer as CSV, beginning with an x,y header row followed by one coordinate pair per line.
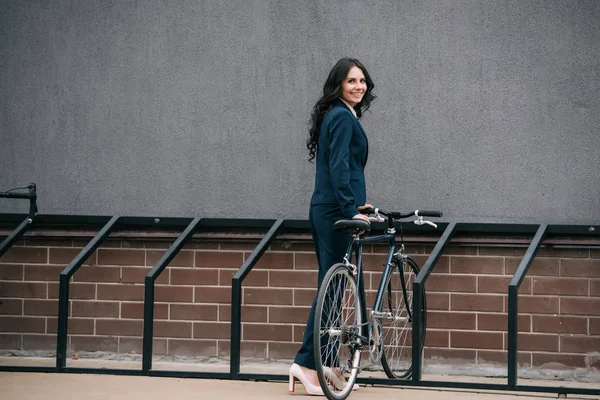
x,y
424,213
9,195
369,210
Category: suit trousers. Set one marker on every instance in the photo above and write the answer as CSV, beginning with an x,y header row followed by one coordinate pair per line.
x,y
330,248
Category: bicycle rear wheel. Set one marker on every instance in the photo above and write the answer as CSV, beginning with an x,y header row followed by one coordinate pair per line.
x,y
336,330
396,326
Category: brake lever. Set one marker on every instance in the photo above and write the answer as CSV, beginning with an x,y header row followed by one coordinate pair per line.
x,y
421,221
377,217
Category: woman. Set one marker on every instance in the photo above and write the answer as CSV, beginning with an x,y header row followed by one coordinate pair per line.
x,y
340,147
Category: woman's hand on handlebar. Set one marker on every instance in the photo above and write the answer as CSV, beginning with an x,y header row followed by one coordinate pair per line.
x,y
363,216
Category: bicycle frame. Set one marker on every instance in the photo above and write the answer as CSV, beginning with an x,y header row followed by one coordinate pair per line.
x,y
356,247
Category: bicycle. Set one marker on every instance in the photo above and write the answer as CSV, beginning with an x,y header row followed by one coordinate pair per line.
x,y
341,329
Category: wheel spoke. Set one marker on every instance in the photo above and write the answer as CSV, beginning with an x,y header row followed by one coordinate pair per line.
x,y
396,321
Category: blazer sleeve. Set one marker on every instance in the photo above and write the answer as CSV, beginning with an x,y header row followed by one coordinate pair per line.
x,y
340,135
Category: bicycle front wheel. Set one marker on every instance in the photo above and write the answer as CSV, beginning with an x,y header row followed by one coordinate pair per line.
x,y
396,322
337,332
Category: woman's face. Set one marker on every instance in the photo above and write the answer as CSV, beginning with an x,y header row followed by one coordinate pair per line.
x,y
354,86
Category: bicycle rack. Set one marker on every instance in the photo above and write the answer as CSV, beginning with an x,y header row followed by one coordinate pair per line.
x,y
149,280
63,290
236,295
417,329
449,231
147,334
513,289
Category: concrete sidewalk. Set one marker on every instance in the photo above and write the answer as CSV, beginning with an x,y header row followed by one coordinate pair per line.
x,y
39,386
48,386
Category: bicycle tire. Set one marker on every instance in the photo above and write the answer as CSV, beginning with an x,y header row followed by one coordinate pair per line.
x,y
396,357
337,358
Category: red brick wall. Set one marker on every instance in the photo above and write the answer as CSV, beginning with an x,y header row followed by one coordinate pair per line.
x,y
466,296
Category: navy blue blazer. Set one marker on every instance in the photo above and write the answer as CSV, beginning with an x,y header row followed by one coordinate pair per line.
x,y
342,152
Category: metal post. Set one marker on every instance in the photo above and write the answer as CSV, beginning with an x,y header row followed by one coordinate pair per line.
x,y
148,324
513,305
236,326
63,322
513,329
32,200
417,328
417,332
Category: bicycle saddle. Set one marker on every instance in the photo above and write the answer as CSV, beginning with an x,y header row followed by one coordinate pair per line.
x,y
354,224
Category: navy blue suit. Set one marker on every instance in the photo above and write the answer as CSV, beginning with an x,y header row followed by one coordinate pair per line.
x,y
341,157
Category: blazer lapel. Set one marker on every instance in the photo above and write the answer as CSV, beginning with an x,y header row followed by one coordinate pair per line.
x,y
366,140
340,103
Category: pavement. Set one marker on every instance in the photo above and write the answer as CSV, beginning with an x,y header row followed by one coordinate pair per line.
x,y
65,386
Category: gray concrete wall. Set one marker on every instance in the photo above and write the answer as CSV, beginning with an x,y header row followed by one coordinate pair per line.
x,y
487,110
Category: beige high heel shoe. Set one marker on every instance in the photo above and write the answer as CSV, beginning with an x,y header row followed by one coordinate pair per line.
x,y
297,373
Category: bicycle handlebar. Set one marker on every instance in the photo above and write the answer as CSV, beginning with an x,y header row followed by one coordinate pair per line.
x,y
399,215
392,216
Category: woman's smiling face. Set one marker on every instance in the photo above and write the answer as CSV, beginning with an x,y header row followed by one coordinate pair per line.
x,y
354,86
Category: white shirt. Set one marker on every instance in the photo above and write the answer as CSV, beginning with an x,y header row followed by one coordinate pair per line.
x,y
349,106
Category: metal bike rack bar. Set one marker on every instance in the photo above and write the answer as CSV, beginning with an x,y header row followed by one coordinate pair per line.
x,y
23,226
149,280
63,297
417,329
190,374
245,223
26,368
15,235
480,386
236,295
513,313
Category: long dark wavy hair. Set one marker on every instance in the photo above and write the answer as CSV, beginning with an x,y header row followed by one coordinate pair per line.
x,y
331,92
